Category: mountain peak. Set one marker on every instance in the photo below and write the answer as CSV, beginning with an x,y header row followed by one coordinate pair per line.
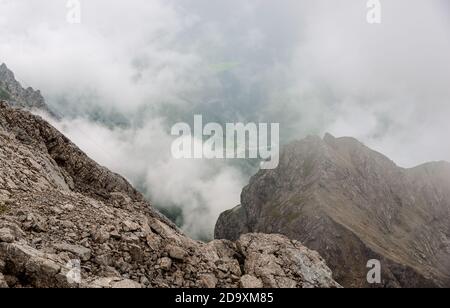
x,y
6,75
353,204
329,137
17,96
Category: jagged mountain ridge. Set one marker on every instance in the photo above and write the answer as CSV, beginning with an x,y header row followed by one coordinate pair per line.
x,y
12,91
57,205
352,204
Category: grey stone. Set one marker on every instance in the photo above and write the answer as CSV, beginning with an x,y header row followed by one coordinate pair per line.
x,y
82,252
250,282
136,252
176,253
208,281
165,263
101,236
6,235
3,284
129,226
126,284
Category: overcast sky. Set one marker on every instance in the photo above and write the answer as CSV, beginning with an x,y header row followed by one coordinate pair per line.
x,y
314,66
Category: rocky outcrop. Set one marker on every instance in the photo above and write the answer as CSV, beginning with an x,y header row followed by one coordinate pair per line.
x,y
352,204
13,92
65,221
270,262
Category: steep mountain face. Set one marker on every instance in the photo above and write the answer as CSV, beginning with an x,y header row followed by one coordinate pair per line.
x,y
65,221
352,204
13,92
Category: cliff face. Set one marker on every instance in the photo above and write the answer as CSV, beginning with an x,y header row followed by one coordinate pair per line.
x,y
352,204
65,221
13,92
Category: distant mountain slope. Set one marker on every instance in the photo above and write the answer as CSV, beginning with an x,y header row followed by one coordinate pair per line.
x,y
352,204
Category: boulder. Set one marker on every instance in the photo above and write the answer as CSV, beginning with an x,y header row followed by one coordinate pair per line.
x,y
82,252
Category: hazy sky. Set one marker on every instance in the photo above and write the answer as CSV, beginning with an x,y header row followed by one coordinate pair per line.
x,y
313,66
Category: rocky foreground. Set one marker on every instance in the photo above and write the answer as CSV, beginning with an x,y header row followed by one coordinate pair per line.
x,y
352,204
62,216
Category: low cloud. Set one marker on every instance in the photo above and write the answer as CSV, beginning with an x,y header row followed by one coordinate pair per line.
x,y
133,69
200,189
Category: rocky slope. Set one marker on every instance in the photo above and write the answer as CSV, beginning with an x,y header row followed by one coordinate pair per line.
x,y
352,204
62,216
